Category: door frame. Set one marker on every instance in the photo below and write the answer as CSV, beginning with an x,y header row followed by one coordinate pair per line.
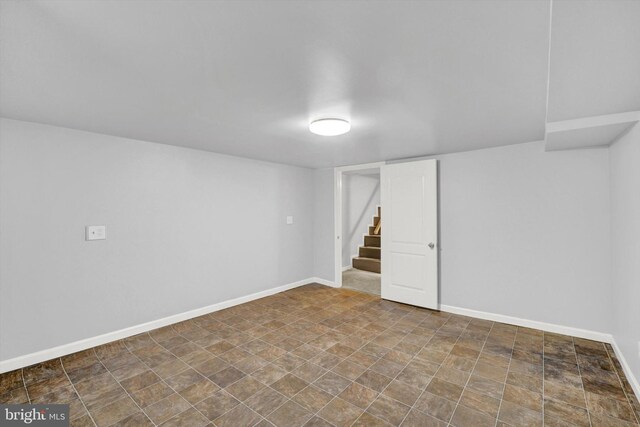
x,y
337,213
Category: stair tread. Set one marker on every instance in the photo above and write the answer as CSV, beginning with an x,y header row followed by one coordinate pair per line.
x,y
367,264
372,241
371,247
366,259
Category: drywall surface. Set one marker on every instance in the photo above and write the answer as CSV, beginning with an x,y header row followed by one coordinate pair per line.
x,y
360,198
625,243
323,225
185,229
525,233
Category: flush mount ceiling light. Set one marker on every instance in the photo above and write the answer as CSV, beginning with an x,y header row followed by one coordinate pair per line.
x,y
330,127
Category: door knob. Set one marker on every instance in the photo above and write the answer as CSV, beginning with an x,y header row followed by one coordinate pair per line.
x,y
431,245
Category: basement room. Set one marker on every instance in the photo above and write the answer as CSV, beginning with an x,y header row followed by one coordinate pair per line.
x,y
320,213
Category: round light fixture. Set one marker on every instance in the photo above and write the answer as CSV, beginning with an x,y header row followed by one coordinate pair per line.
x,y
330,127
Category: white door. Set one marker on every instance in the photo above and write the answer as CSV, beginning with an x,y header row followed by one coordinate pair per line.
x,y
409,196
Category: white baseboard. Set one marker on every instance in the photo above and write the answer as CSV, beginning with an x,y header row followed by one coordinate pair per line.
x,y
627,369
63,350
324,282
547,327
348,267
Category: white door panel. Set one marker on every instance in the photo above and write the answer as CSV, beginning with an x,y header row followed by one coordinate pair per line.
x,y
403,200
409,233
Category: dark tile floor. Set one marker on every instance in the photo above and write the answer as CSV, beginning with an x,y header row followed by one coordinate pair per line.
x,y
319,356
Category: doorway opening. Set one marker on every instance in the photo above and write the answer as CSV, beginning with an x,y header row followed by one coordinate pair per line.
x,y
403,197
360,226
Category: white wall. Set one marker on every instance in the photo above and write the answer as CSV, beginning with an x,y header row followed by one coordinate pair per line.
x,y
360,198
323,225
625,235
185,229
524,233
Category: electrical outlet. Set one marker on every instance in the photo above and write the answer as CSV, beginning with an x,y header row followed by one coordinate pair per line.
x,y
95,232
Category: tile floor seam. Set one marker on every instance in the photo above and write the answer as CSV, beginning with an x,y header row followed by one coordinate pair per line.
x,y
334,397
411,360
267,386
584,390
24,384
396,379
126,392
191,367
437,370
174,390
84,405
506,378
353,381
280,406
626,395
221,388
471,372
316,413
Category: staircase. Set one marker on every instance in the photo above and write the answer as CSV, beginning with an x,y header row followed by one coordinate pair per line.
x,y
368,258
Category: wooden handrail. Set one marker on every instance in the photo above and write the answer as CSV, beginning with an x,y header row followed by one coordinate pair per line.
x,y
376,230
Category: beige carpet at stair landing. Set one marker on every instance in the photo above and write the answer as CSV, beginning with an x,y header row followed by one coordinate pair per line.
x,y
360,280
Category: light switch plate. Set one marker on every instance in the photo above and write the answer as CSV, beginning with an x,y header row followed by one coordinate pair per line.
x,y
95,232
289,220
